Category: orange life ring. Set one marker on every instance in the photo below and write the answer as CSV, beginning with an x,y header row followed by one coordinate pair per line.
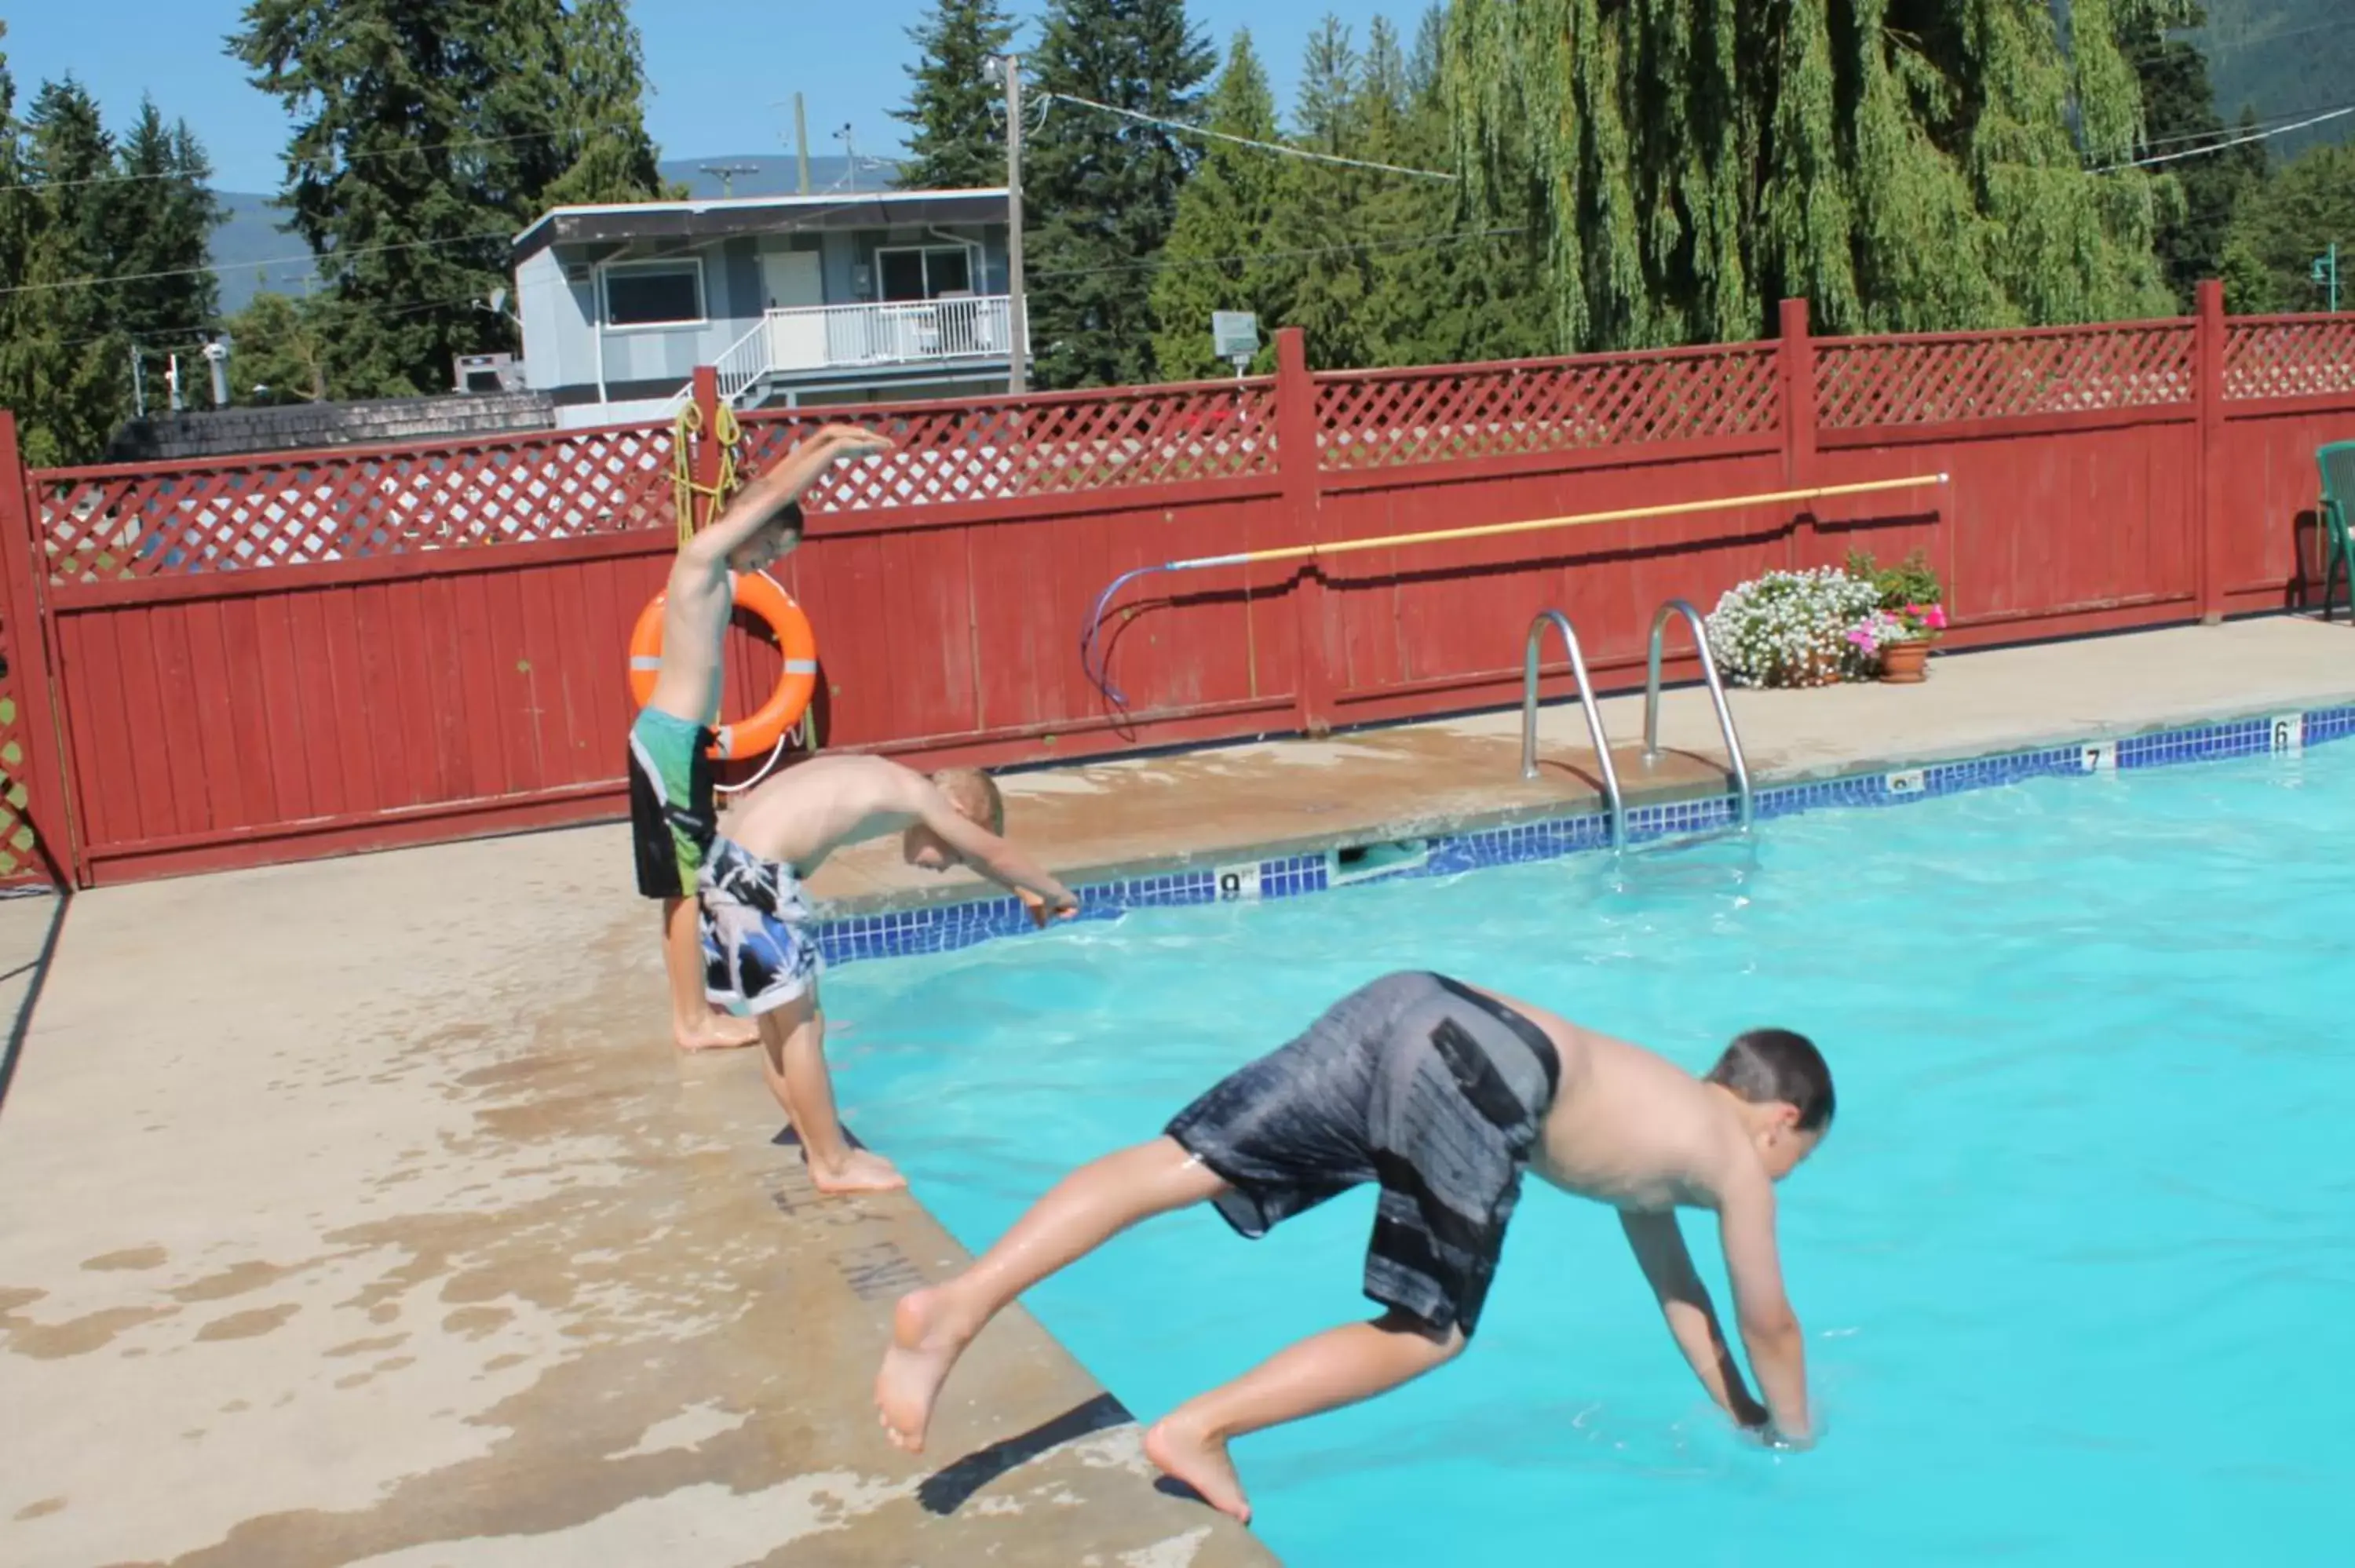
x,y
756,595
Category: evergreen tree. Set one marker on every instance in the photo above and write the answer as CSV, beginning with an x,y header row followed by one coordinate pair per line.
x,y
68,365
959,141
281,350
160,236
1487,293
603,136
2196,194
1225,216
1320,224
2287,222
427,135
1101,190
1903,164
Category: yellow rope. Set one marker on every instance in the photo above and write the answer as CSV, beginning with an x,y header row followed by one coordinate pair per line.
x,y
684,489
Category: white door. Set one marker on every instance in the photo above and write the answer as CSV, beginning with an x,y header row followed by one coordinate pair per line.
x,y
795,281
790,279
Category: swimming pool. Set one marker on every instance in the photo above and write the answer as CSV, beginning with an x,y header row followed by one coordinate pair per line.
x,y
2069,1264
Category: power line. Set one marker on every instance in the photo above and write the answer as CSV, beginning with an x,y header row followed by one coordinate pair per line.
x,y
273,261
346,158
851,199
2235,46
1415,242
2258,121
2241,141
1247,141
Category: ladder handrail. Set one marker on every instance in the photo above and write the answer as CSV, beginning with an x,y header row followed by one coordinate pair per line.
x,y
1612,798
1716,697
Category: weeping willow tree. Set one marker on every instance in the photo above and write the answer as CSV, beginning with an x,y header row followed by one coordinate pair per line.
x,y
1904,165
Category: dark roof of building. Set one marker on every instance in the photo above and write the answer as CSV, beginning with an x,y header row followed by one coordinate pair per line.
x,y
720,219
225,432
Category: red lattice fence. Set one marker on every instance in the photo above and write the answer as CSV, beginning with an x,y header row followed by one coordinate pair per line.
x,y
1943,379
19,857
999,449
1393,418
434,684
2289,356
302,508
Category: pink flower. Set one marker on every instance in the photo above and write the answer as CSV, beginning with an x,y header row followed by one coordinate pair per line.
x,y
1936,617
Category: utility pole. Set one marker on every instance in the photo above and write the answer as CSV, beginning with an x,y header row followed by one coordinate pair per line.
x,y
727,173
1018,310
801,144
2325,271
138,386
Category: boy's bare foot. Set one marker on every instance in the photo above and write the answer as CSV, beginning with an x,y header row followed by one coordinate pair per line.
x,y
717,1032
1201,1461
924,1346
858,1173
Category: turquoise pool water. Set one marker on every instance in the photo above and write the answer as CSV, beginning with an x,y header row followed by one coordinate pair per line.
x,y
2071,1264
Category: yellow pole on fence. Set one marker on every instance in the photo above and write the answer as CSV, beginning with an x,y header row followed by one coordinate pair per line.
x,y
1088,638
1575,520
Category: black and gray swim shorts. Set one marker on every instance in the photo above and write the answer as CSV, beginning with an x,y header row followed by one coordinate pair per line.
x,y
1416,1083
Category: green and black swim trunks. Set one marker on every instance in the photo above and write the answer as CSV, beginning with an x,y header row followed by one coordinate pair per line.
x,y
673,809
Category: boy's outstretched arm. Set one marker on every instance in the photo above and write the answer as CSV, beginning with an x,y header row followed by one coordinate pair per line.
x,y
759,501
1770,1330
1668,1266
995,858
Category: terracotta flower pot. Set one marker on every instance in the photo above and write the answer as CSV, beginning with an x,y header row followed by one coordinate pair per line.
x,y
1903,663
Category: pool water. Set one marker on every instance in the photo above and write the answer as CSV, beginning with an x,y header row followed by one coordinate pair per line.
x,y
2070,1264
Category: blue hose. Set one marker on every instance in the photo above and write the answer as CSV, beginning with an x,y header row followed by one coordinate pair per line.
x,y
1099,669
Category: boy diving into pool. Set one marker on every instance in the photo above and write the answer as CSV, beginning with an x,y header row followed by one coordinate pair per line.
x,y
672,809
1441,1093
760,957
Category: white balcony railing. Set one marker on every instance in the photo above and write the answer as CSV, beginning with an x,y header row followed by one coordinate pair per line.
x,y
859,337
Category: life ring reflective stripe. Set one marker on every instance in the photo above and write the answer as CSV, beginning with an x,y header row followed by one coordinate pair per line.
x,y
759,596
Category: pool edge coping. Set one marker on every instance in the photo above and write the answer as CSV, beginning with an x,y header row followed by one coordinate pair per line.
x,y
909,922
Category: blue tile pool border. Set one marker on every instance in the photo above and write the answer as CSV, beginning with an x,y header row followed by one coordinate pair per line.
x,y
944,927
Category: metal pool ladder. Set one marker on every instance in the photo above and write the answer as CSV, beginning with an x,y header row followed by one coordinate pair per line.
x,y
1614,802
1610,796
1741,802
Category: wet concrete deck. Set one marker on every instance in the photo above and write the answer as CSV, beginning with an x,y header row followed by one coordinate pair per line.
x,y
358,1212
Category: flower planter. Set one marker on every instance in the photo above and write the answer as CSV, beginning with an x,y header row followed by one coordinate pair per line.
x,y
1903,664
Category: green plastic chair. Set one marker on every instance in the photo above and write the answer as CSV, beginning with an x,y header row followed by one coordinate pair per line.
x,y
2336,460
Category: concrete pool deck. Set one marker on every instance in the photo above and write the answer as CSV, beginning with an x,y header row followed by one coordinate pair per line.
x,y
356,1212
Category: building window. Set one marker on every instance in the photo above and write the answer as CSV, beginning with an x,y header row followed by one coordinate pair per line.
x,y
654,293
926,272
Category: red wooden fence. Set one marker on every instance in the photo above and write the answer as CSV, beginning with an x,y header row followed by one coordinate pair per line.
x,y
276,656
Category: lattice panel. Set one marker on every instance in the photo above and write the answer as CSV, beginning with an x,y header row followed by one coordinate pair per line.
x,y
2289,359
289,509
1938,380
19,860
988,452
1396,418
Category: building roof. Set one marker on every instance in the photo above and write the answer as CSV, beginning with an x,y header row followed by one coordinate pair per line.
x,y
720,218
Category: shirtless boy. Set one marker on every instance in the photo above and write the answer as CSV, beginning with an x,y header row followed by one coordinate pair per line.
x,y
759,956
1442,1093
672,810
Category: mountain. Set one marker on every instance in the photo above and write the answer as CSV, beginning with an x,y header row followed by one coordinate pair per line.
x,y
250,252
2284,60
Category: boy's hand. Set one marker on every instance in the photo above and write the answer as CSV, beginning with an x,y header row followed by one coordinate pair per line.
x,y
1045,909
855,440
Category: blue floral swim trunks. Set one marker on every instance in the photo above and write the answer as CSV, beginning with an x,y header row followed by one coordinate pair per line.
x,y
759,950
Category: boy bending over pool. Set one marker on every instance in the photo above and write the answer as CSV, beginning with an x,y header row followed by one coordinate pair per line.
x,y
759,956
673,811
1441,1093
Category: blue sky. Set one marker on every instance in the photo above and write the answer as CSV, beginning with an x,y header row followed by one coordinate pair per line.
x,y
716,68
